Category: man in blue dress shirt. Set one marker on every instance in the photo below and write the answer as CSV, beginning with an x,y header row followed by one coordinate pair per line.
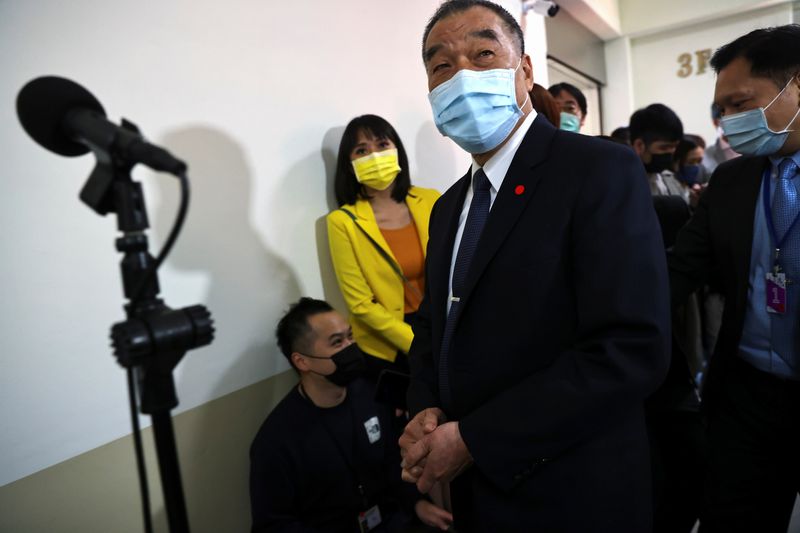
x,y
744,235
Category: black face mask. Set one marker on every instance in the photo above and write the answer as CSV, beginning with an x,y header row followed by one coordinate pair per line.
x,y
349,363
658,163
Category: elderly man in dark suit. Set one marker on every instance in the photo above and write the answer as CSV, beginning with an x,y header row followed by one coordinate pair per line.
x,y
743,235
546,316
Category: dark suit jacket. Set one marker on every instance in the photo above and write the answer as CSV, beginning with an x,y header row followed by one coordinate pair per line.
x,y
678,392
563,331
716,246
672,213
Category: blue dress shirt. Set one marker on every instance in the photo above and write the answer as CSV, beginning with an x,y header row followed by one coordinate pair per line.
x,y
756,346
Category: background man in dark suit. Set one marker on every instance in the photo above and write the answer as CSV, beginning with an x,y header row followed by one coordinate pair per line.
x,y
752,392
546,319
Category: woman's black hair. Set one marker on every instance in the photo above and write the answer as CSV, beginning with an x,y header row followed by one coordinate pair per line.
x,y
345,185
686,145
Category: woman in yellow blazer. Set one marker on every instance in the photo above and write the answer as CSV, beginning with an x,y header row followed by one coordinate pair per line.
x,y
378,238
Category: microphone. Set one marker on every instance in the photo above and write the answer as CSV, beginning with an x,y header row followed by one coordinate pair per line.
x,y
65,118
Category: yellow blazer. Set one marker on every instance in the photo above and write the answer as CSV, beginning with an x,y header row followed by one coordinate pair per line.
x,y
372,290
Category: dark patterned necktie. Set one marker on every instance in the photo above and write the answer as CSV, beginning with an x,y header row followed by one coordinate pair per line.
x,y
476,219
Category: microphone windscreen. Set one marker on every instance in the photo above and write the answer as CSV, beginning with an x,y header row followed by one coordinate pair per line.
x,y
43,104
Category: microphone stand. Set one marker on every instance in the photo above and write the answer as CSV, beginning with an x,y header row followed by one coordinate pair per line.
x,y
154,338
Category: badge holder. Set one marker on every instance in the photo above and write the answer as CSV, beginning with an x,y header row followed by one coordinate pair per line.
x,y
776,281
776,289
369,519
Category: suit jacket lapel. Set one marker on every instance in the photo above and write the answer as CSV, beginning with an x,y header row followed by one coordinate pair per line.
x,y
518,187
744,198
421,217
366,219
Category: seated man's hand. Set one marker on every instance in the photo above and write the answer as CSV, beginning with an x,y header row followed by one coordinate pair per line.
x,y
432,515
424,423
438,456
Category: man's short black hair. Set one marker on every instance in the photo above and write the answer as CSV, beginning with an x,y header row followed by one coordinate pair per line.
x,y
771,52
451,7
293,331
622,134
655,122
345,185
576,93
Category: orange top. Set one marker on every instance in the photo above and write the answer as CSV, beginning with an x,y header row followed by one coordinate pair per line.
x,y
407,249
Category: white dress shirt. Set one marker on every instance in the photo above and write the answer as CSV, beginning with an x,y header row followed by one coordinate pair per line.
x,y
495,169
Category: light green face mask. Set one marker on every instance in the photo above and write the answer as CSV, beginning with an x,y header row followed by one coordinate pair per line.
x,y
570,122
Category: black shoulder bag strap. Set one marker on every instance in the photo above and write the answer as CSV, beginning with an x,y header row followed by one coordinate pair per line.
x,y
383,253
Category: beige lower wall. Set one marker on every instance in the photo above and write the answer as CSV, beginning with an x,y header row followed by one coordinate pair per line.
x,y
97,492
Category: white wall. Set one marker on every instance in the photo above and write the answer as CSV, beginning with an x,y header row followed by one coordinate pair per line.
x,y
617,95
602,17
253,94
656,67
642,64
639,17
536,46
569,41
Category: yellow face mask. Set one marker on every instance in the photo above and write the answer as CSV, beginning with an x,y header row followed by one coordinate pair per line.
x,y
378,169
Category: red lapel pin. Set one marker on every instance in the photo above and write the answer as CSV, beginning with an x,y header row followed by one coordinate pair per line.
x,y
519,190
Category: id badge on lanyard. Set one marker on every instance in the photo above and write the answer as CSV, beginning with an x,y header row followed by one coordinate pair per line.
x,y
369,519
776,292
776,282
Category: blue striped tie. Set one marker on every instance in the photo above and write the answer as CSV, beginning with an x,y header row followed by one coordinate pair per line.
x,y
785,208
476,219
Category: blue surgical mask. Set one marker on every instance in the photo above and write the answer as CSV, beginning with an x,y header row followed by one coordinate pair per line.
x,y
477,109
570,122
690,174
748,132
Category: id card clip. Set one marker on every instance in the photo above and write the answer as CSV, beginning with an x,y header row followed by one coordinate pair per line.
x,y
369,519
776,292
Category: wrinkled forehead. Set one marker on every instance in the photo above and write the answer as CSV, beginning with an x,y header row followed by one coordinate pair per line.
x,y
472,25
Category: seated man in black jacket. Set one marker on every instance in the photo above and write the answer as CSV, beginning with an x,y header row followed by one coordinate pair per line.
x,y
326,458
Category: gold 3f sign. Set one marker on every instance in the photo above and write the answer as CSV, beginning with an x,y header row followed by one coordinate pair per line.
x,y
696,64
